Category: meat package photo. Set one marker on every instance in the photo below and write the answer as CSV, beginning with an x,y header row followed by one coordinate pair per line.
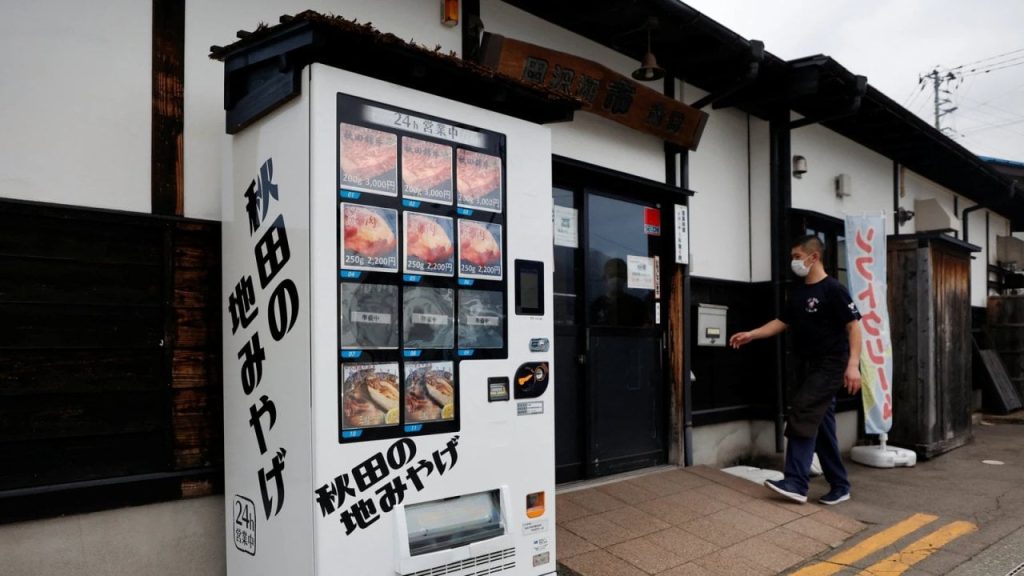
x,y
369,160
370,395
429,245
369,239
429,392
369,316
478,180
479,250
427,171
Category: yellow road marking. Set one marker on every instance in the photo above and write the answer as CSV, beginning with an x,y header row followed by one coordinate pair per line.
x,y
901,561
867,547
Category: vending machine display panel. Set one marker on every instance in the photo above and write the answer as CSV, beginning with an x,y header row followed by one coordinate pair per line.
x,y
421,273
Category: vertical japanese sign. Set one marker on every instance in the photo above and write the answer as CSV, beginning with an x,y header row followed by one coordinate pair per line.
x,y
865,239
272,292
682,234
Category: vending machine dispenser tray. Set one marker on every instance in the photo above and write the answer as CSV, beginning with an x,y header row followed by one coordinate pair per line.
x,y
440,532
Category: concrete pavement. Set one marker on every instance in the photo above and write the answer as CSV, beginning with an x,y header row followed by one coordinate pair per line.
x,y
690,521
950,515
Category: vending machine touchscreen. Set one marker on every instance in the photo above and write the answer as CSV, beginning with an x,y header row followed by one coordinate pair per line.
x,y
388,410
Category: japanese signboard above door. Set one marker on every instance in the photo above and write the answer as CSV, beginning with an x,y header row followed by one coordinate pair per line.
x,y
601,90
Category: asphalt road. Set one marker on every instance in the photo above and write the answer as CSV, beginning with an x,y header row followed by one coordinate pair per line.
x,y
956,488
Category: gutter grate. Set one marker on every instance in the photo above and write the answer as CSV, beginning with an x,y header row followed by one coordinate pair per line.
x,y
1016,571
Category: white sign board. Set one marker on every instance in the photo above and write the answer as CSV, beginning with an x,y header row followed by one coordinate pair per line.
x,y
682,234
640,271
566,223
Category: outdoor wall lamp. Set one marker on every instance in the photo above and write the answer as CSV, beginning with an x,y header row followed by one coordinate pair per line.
x,y
799,166
903,215
450,13
649,69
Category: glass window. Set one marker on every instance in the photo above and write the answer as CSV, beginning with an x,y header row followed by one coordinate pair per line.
x,y
620,266
565,220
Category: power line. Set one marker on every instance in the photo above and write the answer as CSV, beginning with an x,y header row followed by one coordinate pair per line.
x,y
1012,113
1002,66
995,125
989,58
914,93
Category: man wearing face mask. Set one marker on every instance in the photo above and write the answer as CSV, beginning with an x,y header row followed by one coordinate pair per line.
x,y
826,332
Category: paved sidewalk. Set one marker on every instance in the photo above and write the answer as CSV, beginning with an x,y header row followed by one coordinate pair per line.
x,y
690,522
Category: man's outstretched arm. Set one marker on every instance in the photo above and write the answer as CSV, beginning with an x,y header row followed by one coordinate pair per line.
x,y
767,331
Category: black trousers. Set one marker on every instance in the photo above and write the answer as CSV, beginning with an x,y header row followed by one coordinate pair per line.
x,y
821,380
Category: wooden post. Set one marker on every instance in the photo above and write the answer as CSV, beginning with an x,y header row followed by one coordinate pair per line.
x,y
677,339
167,176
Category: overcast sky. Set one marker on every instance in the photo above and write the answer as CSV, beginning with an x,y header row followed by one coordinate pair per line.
x,y
893,42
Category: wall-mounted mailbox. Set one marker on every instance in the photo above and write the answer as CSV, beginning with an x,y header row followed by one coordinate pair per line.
x,y
711,325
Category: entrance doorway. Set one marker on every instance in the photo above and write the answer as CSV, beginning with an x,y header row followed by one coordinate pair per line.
x,y
610,330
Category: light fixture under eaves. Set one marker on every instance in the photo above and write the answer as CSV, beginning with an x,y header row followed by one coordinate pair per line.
x,y
649,69
450,13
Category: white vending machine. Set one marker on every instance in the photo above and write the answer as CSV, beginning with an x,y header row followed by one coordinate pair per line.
x,y
388,405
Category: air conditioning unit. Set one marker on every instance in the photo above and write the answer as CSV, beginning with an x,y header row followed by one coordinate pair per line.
x,y
1010,252
929,214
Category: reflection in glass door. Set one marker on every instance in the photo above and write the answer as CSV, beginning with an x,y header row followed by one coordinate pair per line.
x,y
609,334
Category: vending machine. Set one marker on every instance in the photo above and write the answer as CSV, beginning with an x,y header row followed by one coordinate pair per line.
x,y
388,404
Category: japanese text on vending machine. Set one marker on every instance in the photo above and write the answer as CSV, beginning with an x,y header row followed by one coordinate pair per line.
x,y
271,254
363,512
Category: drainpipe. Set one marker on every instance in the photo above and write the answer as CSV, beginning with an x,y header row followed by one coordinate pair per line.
x,y
781,201
684,180
963,219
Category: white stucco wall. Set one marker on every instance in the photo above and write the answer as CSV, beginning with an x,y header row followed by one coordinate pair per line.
x,y
172,538
215,23
916,186
760,202
75,103
828,154
720,210
589,138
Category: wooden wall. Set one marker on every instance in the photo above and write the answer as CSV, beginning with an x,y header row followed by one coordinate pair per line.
x,y
930,326
109,355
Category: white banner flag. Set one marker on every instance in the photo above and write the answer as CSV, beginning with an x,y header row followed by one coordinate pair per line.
x,y
865,263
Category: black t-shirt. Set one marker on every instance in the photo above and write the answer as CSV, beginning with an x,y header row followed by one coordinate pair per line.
x,y
818,314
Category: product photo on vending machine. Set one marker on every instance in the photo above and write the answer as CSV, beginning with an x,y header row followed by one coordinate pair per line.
x,y
386,253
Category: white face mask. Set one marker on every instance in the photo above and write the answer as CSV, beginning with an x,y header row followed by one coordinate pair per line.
x,y
799,268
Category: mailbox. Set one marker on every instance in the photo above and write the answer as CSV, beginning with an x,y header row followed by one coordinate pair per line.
x,y
711,325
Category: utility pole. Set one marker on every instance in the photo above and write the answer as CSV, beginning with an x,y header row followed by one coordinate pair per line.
x,y
938,78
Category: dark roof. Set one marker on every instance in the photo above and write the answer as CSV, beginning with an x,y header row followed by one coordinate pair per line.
x,y
262,70
693,47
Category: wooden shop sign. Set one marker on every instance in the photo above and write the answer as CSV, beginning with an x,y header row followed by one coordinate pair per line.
x,y
601,90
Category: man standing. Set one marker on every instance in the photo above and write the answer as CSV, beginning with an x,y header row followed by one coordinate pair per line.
x,y
826,329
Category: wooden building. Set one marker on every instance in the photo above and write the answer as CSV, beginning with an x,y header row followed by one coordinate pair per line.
x,y
110,241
